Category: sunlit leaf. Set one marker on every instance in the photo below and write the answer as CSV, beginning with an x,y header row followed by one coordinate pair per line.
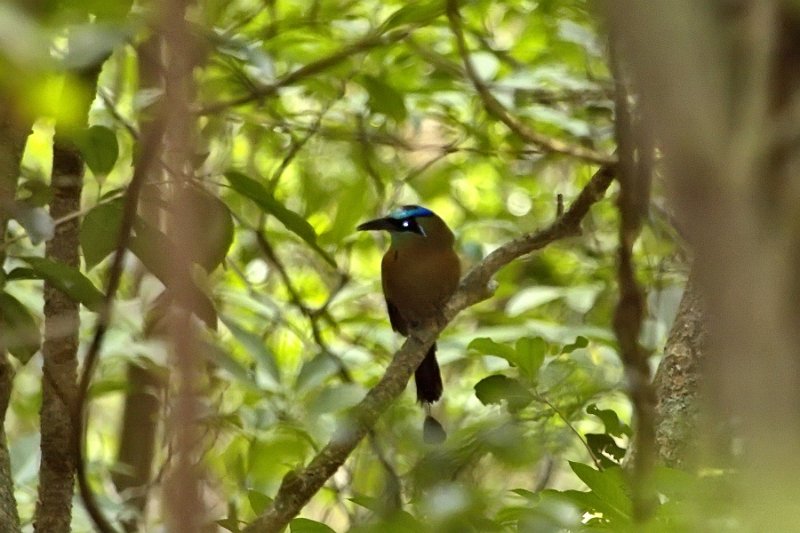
x,y
487,346
529,355
258,501
99,148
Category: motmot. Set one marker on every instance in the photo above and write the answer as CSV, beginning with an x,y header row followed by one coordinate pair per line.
x,y
419,273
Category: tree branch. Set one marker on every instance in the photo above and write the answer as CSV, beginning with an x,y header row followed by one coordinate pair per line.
x,y
299,486
363,45
678,380
498,111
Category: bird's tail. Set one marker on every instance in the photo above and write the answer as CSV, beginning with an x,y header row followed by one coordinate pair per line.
x,y
428,378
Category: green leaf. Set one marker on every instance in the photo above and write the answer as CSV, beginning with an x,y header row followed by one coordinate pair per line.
x,y
291,220
19,333
605,448
68,280
384,98
414,13
99,148
609,487
580,342
494,389
336,398
230,524
530,354
100,231
152,247
256,346
304,525
211,218
315,371
614,426
487,346
224,360
258,501
367,502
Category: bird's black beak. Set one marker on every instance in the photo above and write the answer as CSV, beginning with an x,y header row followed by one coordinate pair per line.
x,y
377,224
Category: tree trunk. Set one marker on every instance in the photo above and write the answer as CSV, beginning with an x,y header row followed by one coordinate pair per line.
x,y
62,323
14,131
678,382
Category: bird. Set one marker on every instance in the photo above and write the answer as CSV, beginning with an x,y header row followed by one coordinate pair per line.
x,y
419,272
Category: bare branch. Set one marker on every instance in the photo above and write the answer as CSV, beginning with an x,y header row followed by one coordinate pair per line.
x,y
299,486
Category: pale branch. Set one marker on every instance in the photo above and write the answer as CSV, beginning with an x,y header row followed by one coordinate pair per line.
x,y
299,486
497,110
308,70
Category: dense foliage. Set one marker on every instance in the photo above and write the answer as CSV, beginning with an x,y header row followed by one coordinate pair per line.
x,y
310,118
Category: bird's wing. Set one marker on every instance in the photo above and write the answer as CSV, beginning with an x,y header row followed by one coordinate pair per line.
x,y
398,324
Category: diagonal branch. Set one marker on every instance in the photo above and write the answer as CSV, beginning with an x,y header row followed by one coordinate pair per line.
x,y
498,111
299,486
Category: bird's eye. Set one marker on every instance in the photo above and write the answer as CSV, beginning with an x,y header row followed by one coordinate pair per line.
x,y
405,223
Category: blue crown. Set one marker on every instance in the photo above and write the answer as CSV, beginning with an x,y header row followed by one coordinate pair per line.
x,y
410,211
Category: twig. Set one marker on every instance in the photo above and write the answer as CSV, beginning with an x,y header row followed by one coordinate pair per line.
x,y
564,419
497,110
310,69
299,486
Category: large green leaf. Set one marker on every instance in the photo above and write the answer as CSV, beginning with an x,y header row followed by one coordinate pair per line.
x,y
100,231
99,148
256,346
19,333
212,223
291,220
68,280
530,352
609,487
